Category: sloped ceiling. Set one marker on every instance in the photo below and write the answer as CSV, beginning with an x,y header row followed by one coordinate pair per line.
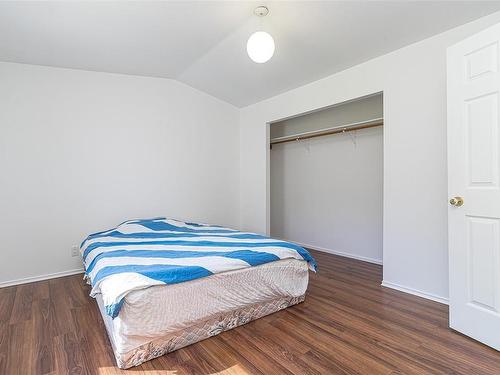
x,y
203,44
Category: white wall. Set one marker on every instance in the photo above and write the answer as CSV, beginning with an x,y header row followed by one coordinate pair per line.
x,y
413,80
326,192
82,151
360,109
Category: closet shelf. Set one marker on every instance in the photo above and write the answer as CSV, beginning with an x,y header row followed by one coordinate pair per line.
x,y
327,131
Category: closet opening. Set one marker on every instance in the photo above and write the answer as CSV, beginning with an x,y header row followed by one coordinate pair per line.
x,y
326,179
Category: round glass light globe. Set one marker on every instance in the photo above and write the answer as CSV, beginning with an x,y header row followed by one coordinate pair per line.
x,y
260,47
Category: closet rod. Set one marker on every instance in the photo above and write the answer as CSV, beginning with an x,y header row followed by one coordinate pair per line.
x,y
334,130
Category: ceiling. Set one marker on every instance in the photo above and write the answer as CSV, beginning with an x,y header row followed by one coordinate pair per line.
x,y
203,43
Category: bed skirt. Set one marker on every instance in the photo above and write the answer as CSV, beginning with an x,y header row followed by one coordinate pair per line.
x,y
197,332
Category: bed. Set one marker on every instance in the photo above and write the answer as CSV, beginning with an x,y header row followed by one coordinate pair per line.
x,y
162,284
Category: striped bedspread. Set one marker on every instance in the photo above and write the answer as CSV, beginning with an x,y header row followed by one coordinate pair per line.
x,y
139,254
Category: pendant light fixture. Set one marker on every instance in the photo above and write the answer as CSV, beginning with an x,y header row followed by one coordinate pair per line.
x,y
260,45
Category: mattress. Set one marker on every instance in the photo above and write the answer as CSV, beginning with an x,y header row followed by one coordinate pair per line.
x,y
142,253
163,318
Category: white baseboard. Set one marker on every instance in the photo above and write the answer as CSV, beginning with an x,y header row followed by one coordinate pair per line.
x,y
415,292
386,284
33,279
341,253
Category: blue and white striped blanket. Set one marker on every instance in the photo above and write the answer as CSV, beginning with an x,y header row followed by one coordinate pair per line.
x,y
142,253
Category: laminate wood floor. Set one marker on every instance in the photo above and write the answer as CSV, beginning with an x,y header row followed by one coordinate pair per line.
x,y
348,324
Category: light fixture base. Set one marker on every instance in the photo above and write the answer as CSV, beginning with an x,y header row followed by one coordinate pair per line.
x,y
261,11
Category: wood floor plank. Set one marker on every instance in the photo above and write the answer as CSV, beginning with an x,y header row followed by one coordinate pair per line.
x,y
348,324
4,346
7,297
60,307
21,349
253,354
21,310
69,355
346,354
44,355
285,357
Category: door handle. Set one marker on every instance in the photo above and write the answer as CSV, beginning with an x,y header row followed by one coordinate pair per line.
x,y
457,201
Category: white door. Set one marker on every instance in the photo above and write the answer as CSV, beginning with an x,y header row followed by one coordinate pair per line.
x,y
474,174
